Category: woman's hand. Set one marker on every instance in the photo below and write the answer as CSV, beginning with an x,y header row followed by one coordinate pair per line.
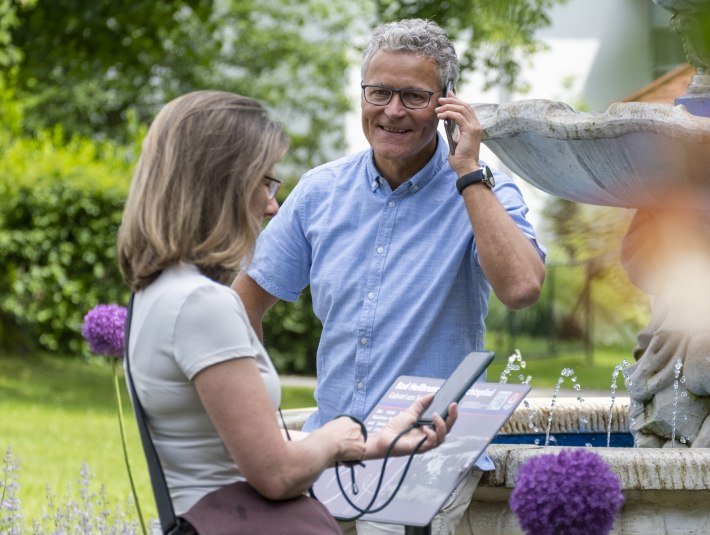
x,y
346,437
378,444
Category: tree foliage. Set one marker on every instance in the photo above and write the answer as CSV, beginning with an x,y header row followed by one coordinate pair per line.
x,y
85,64
497,34
589,237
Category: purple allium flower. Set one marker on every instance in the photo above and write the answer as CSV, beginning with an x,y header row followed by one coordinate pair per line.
x,y
103,328
573,492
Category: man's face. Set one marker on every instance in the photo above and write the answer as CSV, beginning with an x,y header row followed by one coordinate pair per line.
x,y
403,139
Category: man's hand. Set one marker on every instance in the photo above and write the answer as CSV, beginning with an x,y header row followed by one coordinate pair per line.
x,y
465,159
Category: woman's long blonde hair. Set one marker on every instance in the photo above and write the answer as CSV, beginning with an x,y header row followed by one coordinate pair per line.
x,y
203,159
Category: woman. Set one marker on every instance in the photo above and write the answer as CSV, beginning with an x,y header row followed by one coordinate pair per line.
x,y
204,181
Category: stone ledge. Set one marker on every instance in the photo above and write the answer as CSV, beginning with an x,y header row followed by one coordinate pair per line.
x,y
637,468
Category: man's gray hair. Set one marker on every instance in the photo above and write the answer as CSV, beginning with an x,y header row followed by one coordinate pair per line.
x,y
417,36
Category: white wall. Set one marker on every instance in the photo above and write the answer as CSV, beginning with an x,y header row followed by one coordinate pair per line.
x,y
603,45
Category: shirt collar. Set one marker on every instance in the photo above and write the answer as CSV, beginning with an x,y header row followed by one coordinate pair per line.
x,y
421,178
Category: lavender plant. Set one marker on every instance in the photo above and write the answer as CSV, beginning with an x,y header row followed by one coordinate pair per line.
x,y
89,513
10,513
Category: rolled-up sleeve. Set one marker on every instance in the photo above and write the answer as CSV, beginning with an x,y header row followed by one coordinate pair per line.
x,y
282,258
510,196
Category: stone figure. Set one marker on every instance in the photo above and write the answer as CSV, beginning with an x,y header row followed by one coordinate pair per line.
x,y
666,253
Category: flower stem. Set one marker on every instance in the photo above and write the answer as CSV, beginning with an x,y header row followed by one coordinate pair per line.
x,y
119,406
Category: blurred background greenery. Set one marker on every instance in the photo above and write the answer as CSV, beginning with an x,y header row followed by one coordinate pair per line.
x,y
80,81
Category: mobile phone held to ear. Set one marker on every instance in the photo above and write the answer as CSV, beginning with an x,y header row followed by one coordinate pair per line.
x,y
456,386
449,125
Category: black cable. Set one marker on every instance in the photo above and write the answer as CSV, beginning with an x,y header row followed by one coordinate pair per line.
x,y
368,509
283,421
351,464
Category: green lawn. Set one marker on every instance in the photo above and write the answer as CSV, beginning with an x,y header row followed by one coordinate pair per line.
x,y
594,375
59,413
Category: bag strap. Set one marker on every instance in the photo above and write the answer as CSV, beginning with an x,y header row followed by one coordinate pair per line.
x,y
169,523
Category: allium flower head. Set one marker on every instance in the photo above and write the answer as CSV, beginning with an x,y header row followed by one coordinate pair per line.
x,y
103,328
573,492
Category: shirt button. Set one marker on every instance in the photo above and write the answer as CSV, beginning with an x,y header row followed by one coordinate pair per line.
x,y
363,340
380,249
371,295
360,386
390,204
415,187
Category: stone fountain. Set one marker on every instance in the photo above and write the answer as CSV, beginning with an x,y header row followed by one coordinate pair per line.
x,y
654,158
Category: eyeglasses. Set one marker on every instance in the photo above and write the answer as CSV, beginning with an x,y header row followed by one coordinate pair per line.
x,y
414,99
272,186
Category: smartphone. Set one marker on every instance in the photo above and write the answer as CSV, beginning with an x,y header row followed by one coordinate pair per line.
x,y
458,383
449,125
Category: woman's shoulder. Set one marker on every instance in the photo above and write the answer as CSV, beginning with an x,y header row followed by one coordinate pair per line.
x,y
184,284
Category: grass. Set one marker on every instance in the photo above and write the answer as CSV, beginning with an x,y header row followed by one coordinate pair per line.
x,y
59,413
62,413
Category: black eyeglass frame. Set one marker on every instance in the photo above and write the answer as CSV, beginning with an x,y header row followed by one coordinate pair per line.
x,y
274,186
392,91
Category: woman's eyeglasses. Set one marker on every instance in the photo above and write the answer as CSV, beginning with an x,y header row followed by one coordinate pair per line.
x,y
272,186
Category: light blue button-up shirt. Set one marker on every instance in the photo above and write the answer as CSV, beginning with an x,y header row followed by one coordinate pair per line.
x,y
394,275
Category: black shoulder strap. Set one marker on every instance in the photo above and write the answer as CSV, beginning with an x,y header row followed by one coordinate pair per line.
x,y
168,521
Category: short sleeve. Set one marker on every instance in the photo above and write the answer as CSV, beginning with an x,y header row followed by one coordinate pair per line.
x,y
211,327
282,258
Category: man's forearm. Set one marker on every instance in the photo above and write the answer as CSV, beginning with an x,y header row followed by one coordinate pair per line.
x,y
509,260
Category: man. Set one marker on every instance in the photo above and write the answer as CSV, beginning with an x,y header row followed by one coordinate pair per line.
x,y
386,241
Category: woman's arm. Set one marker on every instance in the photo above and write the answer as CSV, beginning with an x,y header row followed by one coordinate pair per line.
x,y
236,401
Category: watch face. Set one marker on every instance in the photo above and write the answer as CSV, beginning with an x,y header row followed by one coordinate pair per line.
x,y
488,179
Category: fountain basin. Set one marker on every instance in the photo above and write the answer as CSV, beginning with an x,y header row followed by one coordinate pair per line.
x,y
630,156
666,490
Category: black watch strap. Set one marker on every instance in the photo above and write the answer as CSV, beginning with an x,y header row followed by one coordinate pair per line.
x,y
483,174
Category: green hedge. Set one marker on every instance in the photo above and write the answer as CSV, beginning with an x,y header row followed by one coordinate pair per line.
x,y
60,208
61,203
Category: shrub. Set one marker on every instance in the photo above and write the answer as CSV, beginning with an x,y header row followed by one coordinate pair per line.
x,y
60,209
61,203
291,335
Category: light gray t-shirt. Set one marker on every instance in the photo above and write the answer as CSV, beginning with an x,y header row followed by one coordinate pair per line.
x,y
183,323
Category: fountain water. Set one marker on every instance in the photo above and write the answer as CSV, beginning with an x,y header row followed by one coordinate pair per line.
x,y
614,375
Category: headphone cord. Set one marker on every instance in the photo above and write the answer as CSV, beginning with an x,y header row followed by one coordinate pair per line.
x,y
368,509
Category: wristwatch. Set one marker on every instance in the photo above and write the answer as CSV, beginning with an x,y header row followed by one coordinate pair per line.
x,y
484,174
